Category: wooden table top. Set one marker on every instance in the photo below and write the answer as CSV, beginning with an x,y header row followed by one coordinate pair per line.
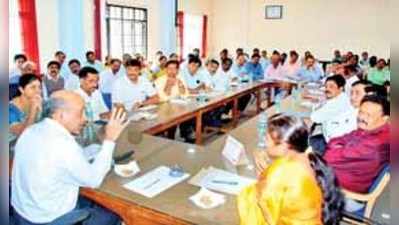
x,y
174,201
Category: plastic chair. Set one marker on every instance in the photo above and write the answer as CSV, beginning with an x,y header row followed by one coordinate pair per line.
x,y
363,215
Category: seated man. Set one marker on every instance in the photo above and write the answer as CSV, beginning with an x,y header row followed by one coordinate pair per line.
x,y
107,79
359,156
292,67
60,57
49,166
171,85
274,70
16,72
158,70
72,79
192,75
331,113
264,61
133,91
239,69
254,68
52,80
218,81
93,99
310,71
93,62
380,74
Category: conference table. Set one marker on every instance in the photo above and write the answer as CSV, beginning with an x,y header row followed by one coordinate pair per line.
x,y
173,205
171,115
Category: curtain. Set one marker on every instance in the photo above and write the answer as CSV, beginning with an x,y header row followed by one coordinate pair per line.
x,y
168,29
70,28
97,28
27,15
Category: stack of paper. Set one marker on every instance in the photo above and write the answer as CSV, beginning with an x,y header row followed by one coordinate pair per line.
x,y
221,180
154,182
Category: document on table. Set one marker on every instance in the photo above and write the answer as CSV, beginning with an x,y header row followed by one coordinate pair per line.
x,y
154,182
221,181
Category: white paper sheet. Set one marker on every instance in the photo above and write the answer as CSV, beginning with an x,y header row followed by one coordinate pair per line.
x,y
234,151
224,181
154,182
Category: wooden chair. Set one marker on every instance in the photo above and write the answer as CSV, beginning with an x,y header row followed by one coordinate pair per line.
x,y
363,215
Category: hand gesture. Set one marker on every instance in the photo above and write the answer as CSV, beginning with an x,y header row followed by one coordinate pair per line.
x,y
116,124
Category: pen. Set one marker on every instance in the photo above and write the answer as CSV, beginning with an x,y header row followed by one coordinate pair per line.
x,y
225,182
152,184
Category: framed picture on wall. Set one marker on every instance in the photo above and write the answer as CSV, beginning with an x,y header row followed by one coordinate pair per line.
x,y
274,12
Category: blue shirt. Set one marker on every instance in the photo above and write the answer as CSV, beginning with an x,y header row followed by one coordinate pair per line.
x,y
254,70
239,70
96,65
15,115
313,74
264,63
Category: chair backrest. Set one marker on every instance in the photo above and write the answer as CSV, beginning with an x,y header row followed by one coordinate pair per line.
x,y
384,173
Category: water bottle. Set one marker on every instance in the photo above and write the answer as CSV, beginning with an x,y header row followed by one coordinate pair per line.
x,y
262,129
89,132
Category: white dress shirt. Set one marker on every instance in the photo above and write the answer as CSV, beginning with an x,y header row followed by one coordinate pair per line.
x,y
329,114
126,92
72,82
348,84
193,81
220,81
95,101
107,79
49,167
340,124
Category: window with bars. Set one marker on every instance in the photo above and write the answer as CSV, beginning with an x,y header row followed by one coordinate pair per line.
x,y
126,30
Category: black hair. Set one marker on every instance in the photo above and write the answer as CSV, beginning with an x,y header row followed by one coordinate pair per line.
x,y
195,60
57,53
20,56
84,72
275,52
172,55
310,56
214,61
255,55
380,100
339,80
256,50
227,60
115,60
25,80
171,62
293,52
88,53
73,61
162,57
133,63
53,62
373,61
224,51
240,54
294,132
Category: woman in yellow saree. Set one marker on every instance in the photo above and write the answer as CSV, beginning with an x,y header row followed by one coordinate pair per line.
x,y
297,188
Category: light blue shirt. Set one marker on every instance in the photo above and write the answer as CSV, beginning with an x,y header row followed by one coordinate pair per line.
x,y
239,70
313,74
265,63
96,65
64,71
254,70
193,81
219,81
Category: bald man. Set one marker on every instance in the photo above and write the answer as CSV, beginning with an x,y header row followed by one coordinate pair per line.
x,y
50,167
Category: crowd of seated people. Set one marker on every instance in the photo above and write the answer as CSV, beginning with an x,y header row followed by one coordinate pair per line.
x,y
350,151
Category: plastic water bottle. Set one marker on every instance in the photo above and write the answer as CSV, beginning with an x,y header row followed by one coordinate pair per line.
x,y
262,129
89,132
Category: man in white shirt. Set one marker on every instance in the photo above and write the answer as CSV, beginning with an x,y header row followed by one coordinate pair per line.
x,y
350,77
49,166
72,79
332,115
88,91
218,81
194,77
134,91
107,79
264,61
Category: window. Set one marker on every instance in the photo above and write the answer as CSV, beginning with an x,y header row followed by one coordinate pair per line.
x,y
126,30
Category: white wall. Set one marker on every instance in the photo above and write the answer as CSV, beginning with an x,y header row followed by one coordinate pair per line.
x,y
318,26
